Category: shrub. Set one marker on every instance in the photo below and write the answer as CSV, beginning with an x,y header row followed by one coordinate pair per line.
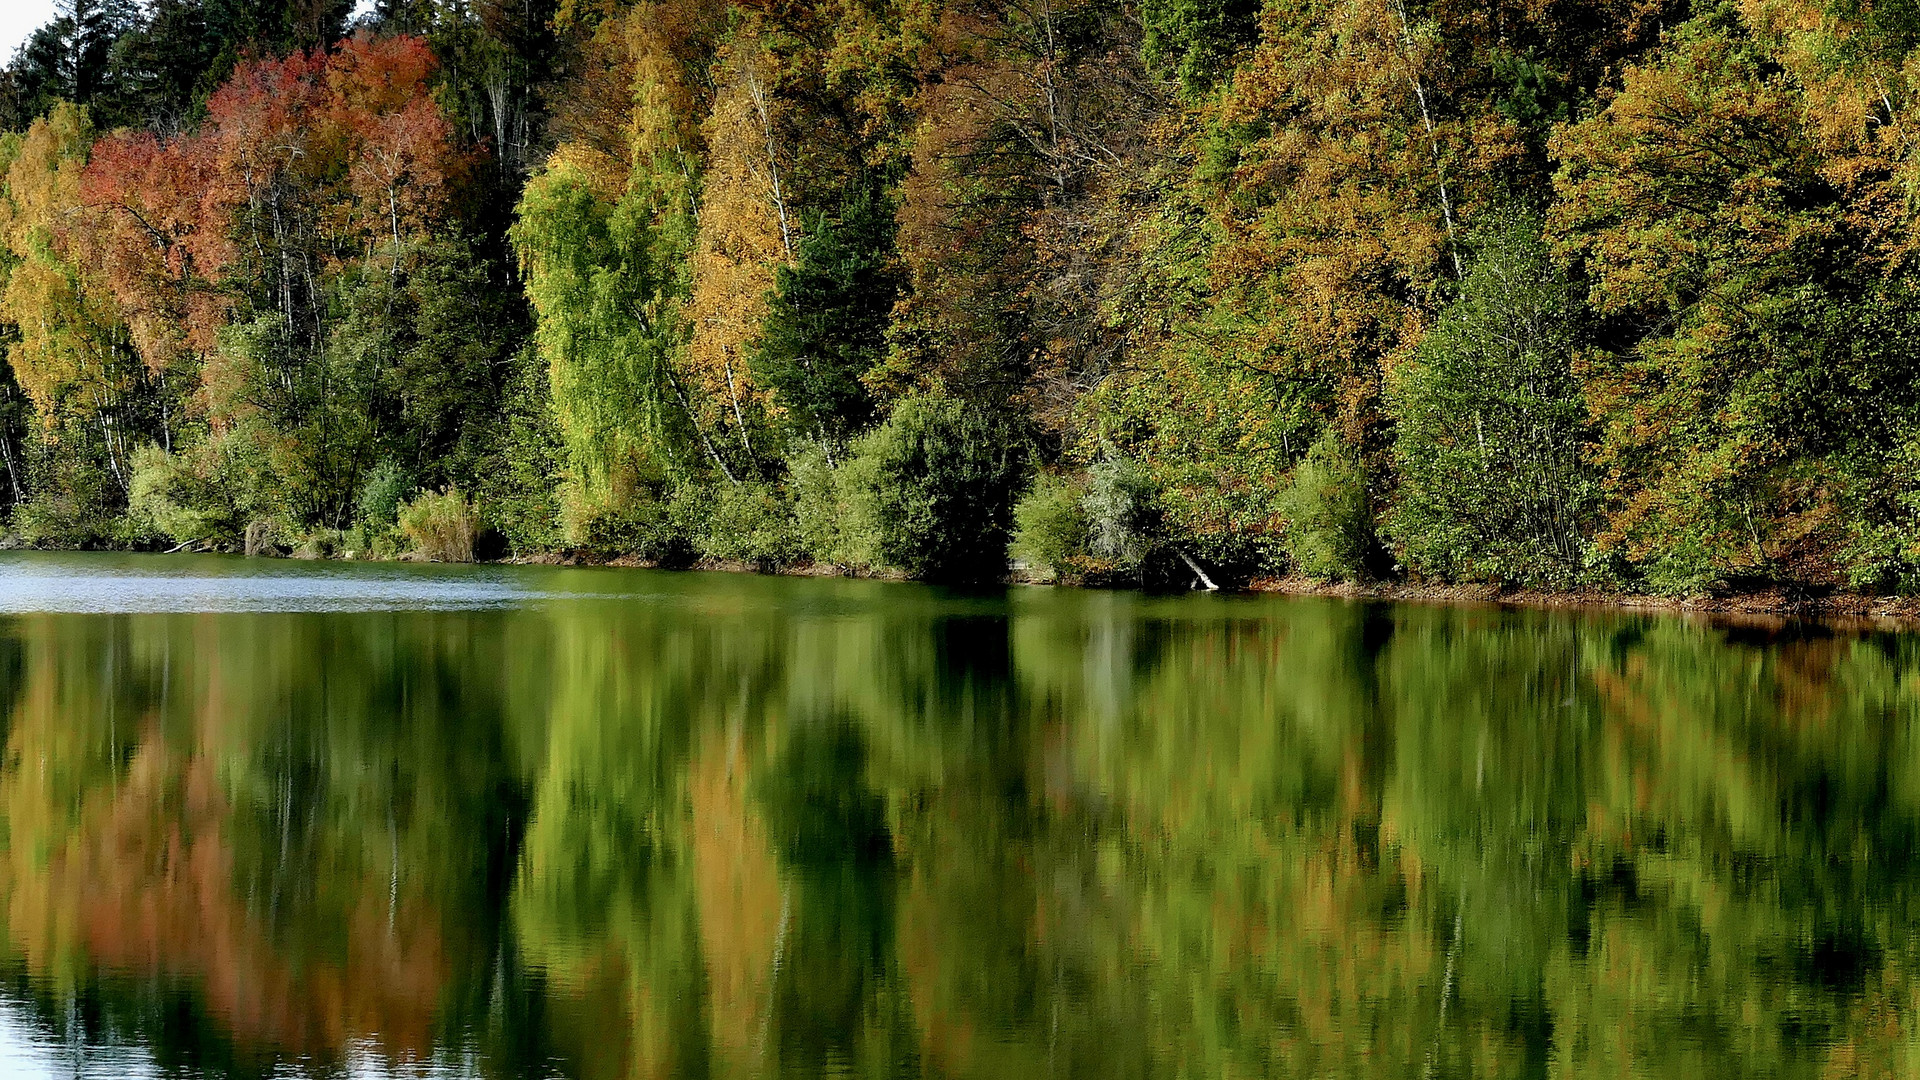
x,y
935,484
1123,518
821,527
75,515
519,481
382,493
1050,527
323,544
1879,523
73,500
1237,531
441,527
641,524
1326,505
747,522
171,495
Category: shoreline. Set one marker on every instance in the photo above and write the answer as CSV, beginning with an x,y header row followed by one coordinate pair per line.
x,y
1836,607
1777,605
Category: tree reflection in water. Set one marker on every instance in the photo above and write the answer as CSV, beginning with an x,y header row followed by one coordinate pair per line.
x,y
765,827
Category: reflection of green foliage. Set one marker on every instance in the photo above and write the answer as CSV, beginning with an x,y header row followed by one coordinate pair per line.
x,y
837,967
820,805
1117,835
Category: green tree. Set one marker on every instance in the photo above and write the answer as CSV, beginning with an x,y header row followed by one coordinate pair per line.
x,y
1490,425
606,278
828,319
1329,517
1198,41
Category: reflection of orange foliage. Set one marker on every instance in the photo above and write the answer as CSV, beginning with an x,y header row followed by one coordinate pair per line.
x,y
948,1035
741,899
145,886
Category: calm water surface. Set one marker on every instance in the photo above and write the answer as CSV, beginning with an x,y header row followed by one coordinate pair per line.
x,y
270,819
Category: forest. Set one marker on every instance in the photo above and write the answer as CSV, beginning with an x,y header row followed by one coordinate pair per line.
x,y
1619,295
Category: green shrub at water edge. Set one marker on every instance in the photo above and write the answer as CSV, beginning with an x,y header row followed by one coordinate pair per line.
x,y
1328,526
1050,528
518,482
73,499
820,522
642,524
1123,514
169,494
748,522
381,495
935,484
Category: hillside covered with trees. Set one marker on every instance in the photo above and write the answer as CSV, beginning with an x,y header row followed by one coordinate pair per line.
x,y
1618,295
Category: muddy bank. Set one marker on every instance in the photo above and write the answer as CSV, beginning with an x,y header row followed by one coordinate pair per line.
x,y
1892,612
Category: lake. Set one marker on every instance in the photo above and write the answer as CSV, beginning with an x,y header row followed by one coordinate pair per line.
x,y
280,819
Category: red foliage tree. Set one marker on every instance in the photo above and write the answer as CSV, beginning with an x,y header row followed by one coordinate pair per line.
x,y
308,161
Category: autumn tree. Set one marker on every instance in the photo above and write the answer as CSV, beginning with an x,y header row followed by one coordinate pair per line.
x,y
157,229
748,227
1746,434
72,357
230,249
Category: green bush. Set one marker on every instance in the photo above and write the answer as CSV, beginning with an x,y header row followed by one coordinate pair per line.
x,y
172,495
67,517
935,485
748,522
73,499
1237,529
1328,528
821,528
642,525
1050,528
1881,553
382,493
441,527
323,544
519,478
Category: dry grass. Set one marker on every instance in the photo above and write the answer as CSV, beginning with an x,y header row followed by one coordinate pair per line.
x,y
441,527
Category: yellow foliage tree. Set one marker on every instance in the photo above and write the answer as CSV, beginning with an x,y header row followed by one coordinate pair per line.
x,y
73,357
746,233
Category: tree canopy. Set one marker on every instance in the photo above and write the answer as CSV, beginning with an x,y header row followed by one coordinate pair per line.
x,y
1619,297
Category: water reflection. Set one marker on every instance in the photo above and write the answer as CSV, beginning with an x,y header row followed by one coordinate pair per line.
x,y
743,827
